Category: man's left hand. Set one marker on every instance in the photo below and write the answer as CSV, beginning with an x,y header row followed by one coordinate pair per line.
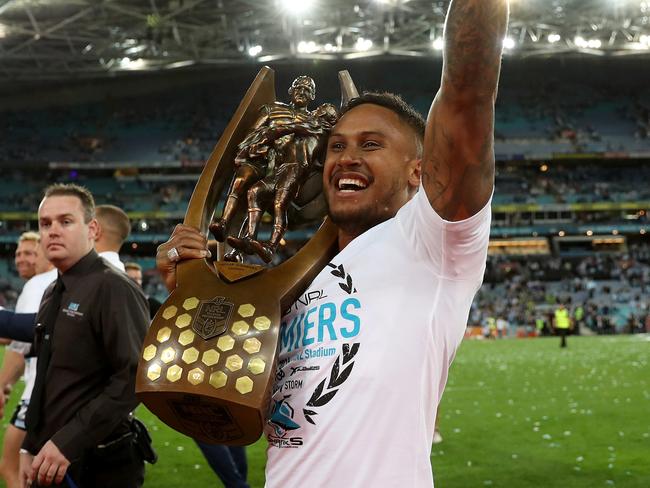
x,y
49,465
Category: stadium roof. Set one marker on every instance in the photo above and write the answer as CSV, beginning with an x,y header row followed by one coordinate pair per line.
x,y
62,39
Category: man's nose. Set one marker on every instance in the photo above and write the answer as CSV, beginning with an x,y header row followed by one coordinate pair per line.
x,y
54,229
349,157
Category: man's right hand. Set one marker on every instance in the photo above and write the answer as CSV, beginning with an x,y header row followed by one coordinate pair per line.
x,y
189,244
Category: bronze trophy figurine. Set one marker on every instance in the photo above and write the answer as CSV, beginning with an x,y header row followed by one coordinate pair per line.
x,y
208,359
272,163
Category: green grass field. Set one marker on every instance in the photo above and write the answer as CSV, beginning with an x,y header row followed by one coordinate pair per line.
x,y
516,414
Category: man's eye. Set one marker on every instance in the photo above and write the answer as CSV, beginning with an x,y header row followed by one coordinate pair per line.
x,y
370,145
336,146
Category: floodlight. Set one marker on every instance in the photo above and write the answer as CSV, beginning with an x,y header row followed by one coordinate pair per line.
x,y
126,63
580,41
363,44
296,7
553,38
438,44
307,47
254,50
508,43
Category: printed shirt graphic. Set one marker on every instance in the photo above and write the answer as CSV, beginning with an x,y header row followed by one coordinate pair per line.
x,y
364,353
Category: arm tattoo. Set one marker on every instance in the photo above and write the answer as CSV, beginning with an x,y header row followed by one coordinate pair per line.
x,y
474,34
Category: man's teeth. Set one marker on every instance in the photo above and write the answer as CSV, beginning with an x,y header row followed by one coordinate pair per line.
x,y
348,185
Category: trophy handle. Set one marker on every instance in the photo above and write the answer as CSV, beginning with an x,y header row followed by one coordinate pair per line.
x,y
218,169
348,90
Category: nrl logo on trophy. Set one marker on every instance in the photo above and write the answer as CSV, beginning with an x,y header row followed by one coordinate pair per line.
x,y
212,317
214,341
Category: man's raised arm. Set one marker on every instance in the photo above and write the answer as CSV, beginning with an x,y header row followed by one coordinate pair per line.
x,y
458,160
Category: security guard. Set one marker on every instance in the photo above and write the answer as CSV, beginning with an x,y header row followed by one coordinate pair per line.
x,y
562,323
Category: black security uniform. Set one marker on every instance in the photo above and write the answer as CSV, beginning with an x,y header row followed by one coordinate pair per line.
x,y
87,388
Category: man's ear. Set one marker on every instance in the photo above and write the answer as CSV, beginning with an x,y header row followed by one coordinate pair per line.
x,y
94,230
415,172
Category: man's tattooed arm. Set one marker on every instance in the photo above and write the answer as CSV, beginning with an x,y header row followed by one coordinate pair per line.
x,y
458,161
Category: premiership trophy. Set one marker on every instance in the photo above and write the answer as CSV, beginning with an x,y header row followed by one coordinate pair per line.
x,y
208,360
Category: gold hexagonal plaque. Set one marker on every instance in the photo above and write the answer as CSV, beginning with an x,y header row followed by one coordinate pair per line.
x,y
244,385
174,373
210,357
234,362
183,320
218,379
195,376
168,355
256,365
262,323
252,345
246,310
186,337
169,312
153,372
149,352
240,327
190,303
164,334
190,355
225,343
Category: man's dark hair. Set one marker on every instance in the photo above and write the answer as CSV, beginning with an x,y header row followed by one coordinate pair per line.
x,y
395,103
72,190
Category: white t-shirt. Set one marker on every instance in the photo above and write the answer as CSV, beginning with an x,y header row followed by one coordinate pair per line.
x,y
364,353
29,301
114,259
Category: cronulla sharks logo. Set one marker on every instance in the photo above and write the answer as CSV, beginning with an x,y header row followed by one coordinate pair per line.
x,y
282,422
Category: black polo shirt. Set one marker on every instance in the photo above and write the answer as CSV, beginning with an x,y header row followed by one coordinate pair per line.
x,y
96,344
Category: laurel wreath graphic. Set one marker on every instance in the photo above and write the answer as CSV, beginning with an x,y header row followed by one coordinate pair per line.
x,y
337,377
339,272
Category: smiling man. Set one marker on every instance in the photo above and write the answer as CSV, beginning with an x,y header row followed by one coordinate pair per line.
x,y
364,355
90,329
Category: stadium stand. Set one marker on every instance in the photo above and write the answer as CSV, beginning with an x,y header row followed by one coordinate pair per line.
x,y
569,214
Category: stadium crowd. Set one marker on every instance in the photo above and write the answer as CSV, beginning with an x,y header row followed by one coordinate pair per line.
x,y
608,292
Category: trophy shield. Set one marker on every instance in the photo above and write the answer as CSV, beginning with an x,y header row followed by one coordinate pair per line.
x,y
208,360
